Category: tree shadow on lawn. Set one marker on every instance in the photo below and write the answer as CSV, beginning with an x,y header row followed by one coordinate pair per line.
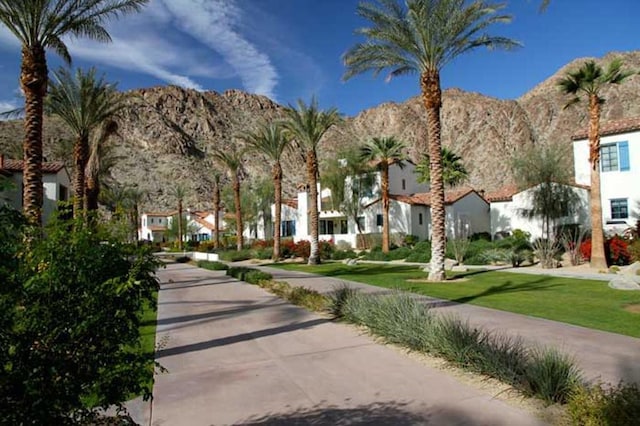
x,y
377,413
540,284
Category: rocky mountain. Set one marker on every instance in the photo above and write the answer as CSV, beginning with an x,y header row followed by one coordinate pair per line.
x,y
166,132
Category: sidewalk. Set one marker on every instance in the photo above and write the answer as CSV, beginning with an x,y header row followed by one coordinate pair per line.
x,y
602,356
238,355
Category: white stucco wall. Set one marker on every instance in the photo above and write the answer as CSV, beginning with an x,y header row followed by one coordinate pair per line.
x,y
613,184
51,191
397,174
506,216
472,210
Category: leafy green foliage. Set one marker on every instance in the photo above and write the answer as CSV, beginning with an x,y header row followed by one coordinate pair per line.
x,y
250,275
600,405
72,307
213,266
453,170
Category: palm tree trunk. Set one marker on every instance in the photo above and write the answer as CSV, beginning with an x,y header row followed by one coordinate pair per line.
x,y
92,192
432,98
385,207
180,225
277,183
216,215
598,258
33,81
312,179
239,225
80,155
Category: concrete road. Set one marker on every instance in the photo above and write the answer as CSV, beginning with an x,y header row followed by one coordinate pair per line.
x,y
238,355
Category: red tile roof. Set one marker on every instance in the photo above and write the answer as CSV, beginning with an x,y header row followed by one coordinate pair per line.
x,y
507,192
205,223
613,127
161,214
18,166
424,198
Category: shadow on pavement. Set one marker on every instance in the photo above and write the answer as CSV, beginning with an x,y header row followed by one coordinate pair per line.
x,y
194,347
179,285
218,313
378,413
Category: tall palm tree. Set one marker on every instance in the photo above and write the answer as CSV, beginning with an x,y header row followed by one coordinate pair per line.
x,y
384,152
270,139
102,158
306,125
179,192
216,207
84,102
423,36
232,161
589,80
40,25
453,170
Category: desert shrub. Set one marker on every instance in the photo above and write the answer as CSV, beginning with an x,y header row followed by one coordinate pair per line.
x,y
207,246
262,253
600,405
307,298
616,251
481,236
70,310
551,375
191,245
326,249
238,272
254,276
235,256
213,266
302,249
343,254
338,298
420,253
634,250
410,240
547,251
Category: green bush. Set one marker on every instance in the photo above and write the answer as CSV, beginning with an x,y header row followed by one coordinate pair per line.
x,y
551,375
344,254
70,311
600,405
183,259
307,298
255,276
421,253
338,297
263,253
213,266
235,256
238,272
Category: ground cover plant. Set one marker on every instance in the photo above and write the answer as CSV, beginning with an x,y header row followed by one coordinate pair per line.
x,y
581,302
213,266
73,308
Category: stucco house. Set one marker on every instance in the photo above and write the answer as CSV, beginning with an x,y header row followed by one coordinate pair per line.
x,y
509,202
56,183
619,171
154,226
198,225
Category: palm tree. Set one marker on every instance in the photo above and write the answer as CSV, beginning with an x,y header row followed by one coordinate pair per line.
x,y
589,80
179,192
306,125
40,25
270,140
422,36
102,158
384,152
232,161
453,171
84,102
216,207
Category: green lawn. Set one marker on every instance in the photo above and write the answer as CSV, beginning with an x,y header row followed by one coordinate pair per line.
x,y
581,302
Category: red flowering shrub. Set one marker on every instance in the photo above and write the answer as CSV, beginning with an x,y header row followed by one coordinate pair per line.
x,y
261,244
302,249
616,250
287,247
585,250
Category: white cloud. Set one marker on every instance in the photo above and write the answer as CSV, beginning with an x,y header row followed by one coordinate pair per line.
x,y
214,23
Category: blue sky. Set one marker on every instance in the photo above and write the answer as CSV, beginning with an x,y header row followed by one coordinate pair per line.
x,y
290,49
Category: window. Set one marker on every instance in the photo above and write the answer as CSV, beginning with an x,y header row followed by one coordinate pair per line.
x,y
144,221
419,218
343,226
64,193
360,224
378,220
288,228
619,208
614,157
404,184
